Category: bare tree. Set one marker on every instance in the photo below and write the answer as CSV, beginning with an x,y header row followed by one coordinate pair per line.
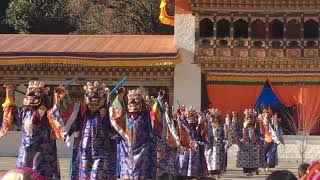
x,y
303,134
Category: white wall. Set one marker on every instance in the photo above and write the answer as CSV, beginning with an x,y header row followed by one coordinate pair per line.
x,y
10,143
9,146
290,152
187,78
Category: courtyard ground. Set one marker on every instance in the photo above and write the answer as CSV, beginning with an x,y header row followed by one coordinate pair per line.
x,y
233,173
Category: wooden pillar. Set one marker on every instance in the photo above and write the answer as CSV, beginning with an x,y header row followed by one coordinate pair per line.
x,y
302,35
284,39
267,35
215,42
249,34
170,93
232,33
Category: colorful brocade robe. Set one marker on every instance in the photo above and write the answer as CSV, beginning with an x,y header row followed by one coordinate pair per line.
x,y
249,154
94,151
167,147
191,159
137,145
215,149
270,149
40,128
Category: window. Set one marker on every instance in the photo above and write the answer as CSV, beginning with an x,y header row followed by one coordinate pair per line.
x,y
240,29
311,29
223,28
206,28
258,29
293,29
276,29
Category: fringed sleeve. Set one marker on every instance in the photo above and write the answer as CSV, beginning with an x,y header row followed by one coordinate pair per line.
x,y
71,117
56,122
157,117
118,119
204,128
8,116
183,134
172,133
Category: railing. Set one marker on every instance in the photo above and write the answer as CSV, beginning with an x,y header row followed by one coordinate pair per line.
x,y
267,63
310,43
258,43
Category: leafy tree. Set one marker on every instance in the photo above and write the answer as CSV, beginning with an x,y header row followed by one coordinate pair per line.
x,y
4,28
119,16
40,16
86,17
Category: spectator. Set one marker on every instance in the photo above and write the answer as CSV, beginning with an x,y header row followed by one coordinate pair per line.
x,y
23,173
313,171
302,169
281,175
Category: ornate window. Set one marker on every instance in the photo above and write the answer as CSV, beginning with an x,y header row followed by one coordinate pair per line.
x,y
258,29
311,29
206,28
276,29
240,29
223,28
293,29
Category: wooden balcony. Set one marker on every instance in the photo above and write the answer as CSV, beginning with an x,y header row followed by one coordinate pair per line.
x,y
258,63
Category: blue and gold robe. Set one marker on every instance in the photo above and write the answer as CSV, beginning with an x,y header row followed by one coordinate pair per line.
x,y
40,128
94,154
191,159
137,146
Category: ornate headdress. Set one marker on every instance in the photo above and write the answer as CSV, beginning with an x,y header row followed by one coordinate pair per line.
x,y
36,94
135,100
37,87
191,115
96,88
214,112
250,115
95,95
135,94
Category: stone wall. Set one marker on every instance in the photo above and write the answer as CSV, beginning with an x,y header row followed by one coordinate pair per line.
x,y
187,77
290,151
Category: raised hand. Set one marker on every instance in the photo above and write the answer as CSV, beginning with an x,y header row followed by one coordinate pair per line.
x,y
120,92
59,94
161,94
9,90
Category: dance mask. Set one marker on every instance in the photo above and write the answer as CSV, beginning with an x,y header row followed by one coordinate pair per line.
x,y
191,115
36,94
135,100
250,116
95,95
215,114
